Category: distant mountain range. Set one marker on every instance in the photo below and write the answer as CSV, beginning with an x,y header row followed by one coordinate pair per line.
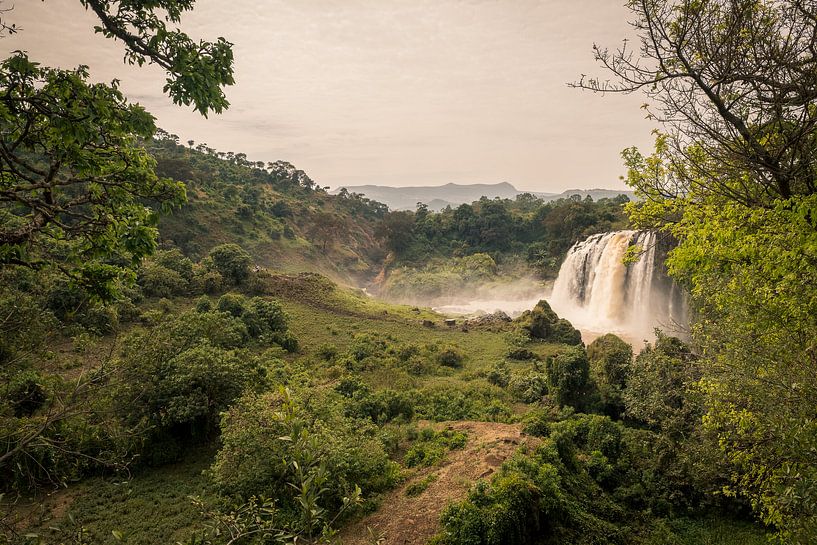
x,y
440,196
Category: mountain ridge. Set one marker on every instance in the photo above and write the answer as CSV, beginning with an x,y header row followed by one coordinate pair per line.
x,y
453,194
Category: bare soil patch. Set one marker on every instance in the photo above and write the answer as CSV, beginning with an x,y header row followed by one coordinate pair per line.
x,y
404,520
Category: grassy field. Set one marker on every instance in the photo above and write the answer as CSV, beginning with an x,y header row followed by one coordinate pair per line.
x,y
153,506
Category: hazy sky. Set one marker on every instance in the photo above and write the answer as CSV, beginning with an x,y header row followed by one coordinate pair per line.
x,y
390,92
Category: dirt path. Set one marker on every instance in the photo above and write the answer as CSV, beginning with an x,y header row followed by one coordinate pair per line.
x,y
403,520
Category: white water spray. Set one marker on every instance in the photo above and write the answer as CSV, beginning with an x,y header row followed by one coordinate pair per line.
x,y
598,293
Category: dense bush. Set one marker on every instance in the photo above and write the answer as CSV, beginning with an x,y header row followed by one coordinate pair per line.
x,y
499,375
472,402
610,360
176,378
568,377
450,356
166,273
232,262
661,388
264,319
300,454
529,386
588,482
380,407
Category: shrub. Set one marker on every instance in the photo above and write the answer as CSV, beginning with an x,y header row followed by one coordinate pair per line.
x,y
610,360
232,303
521,354
206,281
417,488
660,387
542,323
327,352
284,339
204,304
100,319
277,445
568,378
176,261
380,407
474,402
232,262
159,281
176,378
450,356
184,394
529,387
264,316
432,446
25,393
499,375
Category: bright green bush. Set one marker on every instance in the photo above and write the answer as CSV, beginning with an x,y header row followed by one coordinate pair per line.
x,y
528,387
432,446
278,443
176,378
472,402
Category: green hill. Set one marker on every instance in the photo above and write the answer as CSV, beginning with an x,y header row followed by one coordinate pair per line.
x,y
275,211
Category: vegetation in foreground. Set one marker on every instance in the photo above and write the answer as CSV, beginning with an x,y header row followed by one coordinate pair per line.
x,y
118,361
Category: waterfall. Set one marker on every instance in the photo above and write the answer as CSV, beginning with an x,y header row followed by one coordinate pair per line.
x,y
598,293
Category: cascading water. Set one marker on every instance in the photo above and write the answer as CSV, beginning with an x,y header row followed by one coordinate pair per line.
x,y
598,293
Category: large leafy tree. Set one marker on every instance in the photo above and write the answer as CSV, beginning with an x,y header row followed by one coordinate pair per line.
x,y
77,188
78,195
74,180
733,179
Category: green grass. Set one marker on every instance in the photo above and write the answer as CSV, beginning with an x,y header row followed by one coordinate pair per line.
x,y
315,327
152,507
710,531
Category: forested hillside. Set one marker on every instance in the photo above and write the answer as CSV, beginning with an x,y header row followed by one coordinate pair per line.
x,y
274,210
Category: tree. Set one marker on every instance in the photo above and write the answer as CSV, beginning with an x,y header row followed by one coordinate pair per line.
x,y
610,361
300,450
732,180
733,83
196,72
397,230
568,377
77,190
325,227
232,261
74,178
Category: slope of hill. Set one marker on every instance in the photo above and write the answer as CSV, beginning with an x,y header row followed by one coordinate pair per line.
x,y
274,210
439,197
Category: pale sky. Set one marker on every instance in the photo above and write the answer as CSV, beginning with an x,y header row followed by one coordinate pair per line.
x,y
387,92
